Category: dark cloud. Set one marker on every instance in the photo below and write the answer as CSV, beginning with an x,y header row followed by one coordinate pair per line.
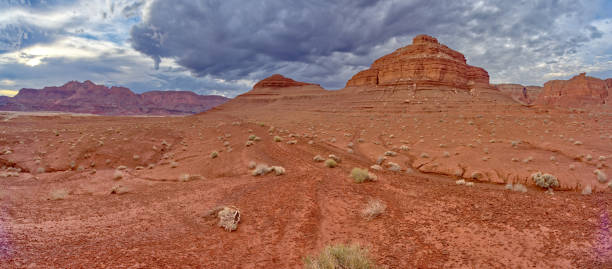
x,y
320,40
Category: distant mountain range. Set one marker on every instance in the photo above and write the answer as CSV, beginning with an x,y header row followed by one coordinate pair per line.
x,y
87,97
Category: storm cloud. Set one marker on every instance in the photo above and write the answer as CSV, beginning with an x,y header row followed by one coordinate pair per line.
x,y
319,41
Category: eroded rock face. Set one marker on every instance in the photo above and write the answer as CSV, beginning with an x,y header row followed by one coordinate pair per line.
x,y
87,97
425,62
578,91
279,81
516,92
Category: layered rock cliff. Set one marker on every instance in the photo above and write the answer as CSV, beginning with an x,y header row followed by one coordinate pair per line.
x,y
87,97
516,92
580,90
424,63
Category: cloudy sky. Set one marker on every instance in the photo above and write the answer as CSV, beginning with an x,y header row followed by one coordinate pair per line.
x,y
225,46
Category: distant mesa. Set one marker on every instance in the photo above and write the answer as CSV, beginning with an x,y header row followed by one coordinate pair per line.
x,y
279,81
425,63
578,91
515,91
87,97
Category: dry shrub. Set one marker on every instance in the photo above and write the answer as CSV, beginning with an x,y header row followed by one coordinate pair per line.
x,y
545,180
362,175
373,209
340,256
118,189
229,217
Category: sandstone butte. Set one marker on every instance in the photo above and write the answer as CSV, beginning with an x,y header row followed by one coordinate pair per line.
x,y
87,97
424,63
579,91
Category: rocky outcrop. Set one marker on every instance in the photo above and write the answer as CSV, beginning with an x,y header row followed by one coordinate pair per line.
x,y
87,97
580,90
424,63
279,81
516,92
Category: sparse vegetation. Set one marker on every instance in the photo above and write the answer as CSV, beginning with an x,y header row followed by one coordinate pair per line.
x,y
188,177
362,175
318,159
545,180
335,158
373,209
118,189
340,256
277,139
601,176
117,175
229,217
214,154
587,190
331,163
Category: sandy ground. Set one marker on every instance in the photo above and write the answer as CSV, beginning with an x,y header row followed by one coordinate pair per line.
x,y
58,210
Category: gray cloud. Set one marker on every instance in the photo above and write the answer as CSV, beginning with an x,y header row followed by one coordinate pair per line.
x,y
319,41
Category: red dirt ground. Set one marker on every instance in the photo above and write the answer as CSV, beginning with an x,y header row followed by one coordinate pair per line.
x,y
430,222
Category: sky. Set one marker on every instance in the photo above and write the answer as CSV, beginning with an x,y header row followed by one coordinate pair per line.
x,y
223,47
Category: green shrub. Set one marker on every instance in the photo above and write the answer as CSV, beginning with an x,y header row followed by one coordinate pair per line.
x,y
361,175
277,139
214,154
331,163
340,256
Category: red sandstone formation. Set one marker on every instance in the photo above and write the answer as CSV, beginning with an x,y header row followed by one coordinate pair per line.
x,y
580,90
424,63
516,92
279,81
88,97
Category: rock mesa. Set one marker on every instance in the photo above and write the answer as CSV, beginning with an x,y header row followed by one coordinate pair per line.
x,y
425,63
578,91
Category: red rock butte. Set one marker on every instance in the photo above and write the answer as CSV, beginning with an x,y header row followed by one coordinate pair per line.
x,y
425,63
580,90
279,81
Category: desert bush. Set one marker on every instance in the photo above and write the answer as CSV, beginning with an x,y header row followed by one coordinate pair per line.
x,y
390,153
361,175
188,177
373,209
252,137
261,169
292,142
318,159
587,190
117,175
404,148
249,143
118,189
340,256
394,167
601,176
229,217
519,188
376,167
214,154
545,180
331,163
278,170
424,155
335,158
277,139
